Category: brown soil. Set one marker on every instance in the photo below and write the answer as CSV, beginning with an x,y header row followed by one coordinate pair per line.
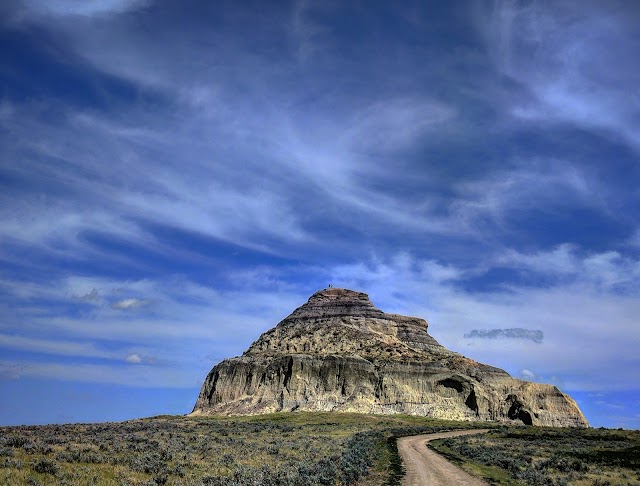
x,y
424,466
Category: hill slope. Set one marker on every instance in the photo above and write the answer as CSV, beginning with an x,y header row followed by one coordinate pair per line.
x,y
338,352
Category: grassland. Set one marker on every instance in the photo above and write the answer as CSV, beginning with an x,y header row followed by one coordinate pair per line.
x,y
298,449
278,449
549,456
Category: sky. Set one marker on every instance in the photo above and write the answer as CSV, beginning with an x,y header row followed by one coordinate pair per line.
x,y
176,177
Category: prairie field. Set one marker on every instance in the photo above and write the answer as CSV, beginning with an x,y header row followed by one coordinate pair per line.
x,y
296,449
549,456
277,449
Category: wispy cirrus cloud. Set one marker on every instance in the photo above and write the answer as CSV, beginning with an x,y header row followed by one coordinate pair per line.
x,y
88,8
54,346
198,321
607,270
93,296
128,375
183,326
376,127
220,173
522,186
577,66
306,163
10,371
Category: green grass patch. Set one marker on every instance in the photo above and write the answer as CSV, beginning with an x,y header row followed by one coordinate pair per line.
x,y
491,474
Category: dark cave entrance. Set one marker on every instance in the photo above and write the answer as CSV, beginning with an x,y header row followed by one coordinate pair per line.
x,y
516,412
471,402
451,383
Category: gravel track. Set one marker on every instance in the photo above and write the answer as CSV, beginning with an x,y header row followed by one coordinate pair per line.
x,y
426,467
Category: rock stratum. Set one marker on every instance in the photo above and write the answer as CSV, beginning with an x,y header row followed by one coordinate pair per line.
x,y
338,352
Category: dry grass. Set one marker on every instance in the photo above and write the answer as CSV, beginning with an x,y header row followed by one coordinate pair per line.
x,y
548,456
278,449
299,449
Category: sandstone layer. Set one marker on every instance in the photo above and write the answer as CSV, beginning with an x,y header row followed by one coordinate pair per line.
x,y
338,352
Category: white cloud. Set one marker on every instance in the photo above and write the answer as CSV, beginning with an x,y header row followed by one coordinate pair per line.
x,y
561,260
579,65
590,331
129,303
527,375
92,296
187,322
81,8
250,168
270,155
396,123
10,371
606,270
119,187
53,346
137,358
524,185
140,376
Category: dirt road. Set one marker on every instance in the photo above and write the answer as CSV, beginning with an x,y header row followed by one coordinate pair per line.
x,y
425,467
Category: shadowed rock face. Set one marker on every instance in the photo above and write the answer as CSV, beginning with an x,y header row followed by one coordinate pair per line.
x,y
339,352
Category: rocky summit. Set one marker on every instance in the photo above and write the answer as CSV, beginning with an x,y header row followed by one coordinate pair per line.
x,y
338,352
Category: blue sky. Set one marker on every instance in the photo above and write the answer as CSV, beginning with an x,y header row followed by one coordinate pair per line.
x,y
176,177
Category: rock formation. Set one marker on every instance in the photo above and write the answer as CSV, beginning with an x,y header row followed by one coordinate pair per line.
x,y
338,352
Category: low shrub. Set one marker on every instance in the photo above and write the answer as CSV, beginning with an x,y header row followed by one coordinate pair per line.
x,y
45,466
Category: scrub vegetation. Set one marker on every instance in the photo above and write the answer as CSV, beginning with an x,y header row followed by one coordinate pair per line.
x,y
277,449
292,449
549,456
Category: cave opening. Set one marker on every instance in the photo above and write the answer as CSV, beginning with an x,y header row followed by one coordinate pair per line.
x,y
472,402
517,413
451,383
288,374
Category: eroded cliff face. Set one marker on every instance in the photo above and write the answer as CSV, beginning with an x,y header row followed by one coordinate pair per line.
x,y
338,352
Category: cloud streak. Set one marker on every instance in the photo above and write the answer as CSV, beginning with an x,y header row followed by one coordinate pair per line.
x,y
513,333
578,67
126,304
88,8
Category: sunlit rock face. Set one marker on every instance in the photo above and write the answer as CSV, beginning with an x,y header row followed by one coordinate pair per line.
x,y
338,352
